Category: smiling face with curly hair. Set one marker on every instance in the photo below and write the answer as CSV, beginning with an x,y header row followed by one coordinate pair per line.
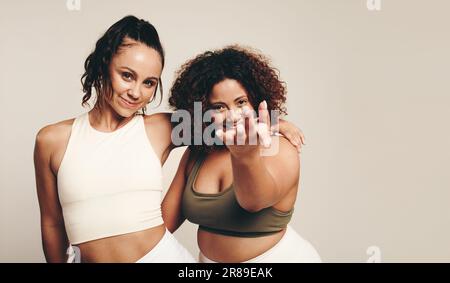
x,y
228,98
227,79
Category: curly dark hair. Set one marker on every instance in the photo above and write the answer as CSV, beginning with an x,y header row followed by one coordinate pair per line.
x,y
197,77
96,66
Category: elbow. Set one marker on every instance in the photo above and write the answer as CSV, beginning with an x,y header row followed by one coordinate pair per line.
x,y
173,224
255,204
253,209
171,228
169,224
251,206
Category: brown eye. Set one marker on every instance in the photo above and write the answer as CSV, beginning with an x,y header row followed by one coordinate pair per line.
x,y
242,102
218,108
149,83
127,76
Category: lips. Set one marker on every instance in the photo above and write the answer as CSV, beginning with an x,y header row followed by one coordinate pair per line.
x,y
128,104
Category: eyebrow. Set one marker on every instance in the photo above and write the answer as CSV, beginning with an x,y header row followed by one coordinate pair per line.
x,y
135,74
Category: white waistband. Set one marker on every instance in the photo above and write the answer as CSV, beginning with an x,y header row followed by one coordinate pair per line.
x,y
291,248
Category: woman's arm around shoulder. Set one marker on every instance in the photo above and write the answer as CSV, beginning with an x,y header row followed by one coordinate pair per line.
x,y
172,203
49,141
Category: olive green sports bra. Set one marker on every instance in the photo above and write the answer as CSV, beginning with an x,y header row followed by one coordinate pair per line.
x,y
221,213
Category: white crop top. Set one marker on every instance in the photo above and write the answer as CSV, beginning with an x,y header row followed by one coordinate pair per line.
x,y
109,183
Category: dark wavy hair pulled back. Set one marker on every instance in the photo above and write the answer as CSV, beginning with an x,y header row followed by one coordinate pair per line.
x,y
96,66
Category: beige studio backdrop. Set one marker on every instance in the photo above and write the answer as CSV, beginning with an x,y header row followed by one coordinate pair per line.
x,y
368,85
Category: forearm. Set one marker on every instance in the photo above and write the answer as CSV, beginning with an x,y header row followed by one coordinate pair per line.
x,y
55,243
255,187
172,215
171,205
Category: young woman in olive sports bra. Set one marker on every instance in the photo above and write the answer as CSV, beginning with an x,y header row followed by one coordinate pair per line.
x,y
242,196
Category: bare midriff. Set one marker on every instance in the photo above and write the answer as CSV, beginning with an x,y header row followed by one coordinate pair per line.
x,y
223,248
122,248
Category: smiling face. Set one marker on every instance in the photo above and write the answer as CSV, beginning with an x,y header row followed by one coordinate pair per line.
x,y
134,71
228,97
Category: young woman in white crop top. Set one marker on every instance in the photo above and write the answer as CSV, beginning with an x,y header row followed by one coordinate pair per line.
x,y
98,175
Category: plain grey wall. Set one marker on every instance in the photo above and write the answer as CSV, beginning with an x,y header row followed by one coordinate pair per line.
x,y
369,88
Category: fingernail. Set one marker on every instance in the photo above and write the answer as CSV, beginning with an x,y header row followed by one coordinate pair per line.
x,y
265,104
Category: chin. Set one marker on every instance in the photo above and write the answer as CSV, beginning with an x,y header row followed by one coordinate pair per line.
x,y
124,111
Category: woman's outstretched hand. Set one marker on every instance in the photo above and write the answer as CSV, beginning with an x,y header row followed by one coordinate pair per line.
x,y
243,133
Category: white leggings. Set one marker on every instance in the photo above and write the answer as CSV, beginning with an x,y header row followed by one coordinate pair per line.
x,y
291,248
167,250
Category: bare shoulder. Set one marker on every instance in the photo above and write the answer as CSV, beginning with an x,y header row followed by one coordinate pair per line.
x,y
159,130
282,149
159,125
53,136
282,159
160,120
54,132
